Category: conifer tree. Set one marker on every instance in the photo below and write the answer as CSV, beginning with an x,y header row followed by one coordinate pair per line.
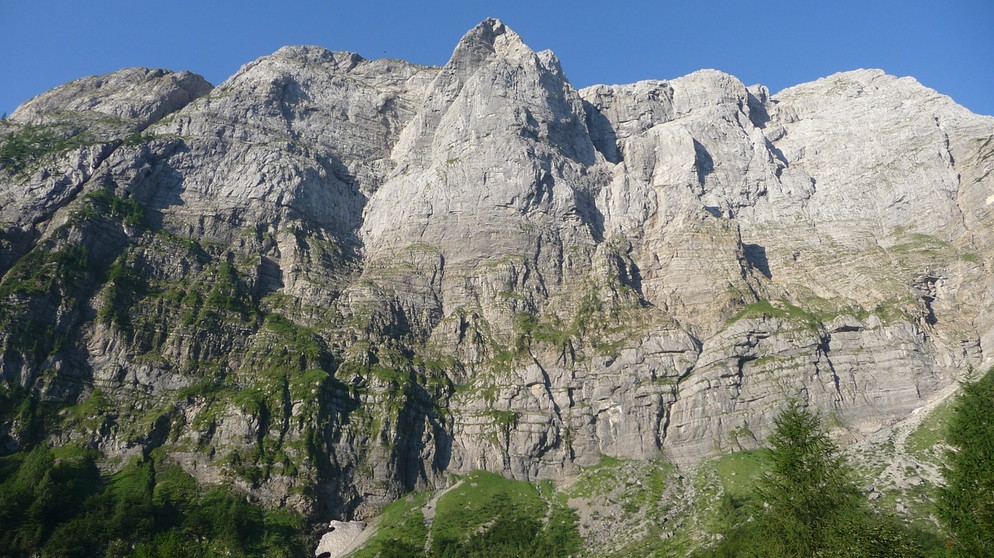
x,y
966,502
809,489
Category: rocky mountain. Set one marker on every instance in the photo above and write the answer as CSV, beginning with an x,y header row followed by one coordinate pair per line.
x,y
330,281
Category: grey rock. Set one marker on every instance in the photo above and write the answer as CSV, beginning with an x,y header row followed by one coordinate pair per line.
x,y
388,272
340,538
136,95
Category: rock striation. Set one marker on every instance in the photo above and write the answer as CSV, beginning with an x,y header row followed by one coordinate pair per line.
x,y
330,280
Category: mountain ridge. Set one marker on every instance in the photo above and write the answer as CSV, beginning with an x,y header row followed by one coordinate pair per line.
x,y
331,281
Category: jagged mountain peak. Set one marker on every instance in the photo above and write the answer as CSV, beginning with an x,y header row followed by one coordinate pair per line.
x,y
491,65
492,39
490,36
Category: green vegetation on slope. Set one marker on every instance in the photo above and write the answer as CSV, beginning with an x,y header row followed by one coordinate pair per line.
x,y
807,503
484,515
35,291
488,515
31,143
55,503
966,503
926,440
400,530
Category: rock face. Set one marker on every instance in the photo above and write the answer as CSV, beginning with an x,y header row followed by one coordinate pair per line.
x,y
135,95
340,539
330,280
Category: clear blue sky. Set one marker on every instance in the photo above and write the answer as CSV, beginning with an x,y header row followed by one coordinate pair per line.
x,y
947,45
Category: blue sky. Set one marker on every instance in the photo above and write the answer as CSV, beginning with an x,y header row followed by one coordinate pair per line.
x,y
947,45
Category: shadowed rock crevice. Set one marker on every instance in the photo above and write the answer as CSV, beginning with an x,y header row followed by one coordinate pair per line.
x,y
602,133
756,256
703,162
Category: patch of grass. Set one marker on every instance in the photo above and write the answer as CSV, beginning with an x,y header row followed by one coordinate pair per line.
x,y
295,339
308,384
400,530
738,472
139,138
926,440
596,480
920,244
124,288
505,420
228,293
778,309
90,412
477,501
488,515
891,311
725,490
191,246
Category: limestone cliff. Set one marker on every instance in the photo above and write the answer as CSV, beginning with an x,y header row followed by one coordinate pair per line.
x,y
330,280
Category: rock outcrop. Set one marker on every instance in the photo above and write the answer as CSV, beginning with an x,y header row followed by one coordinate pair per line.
x,y
330,280
340,539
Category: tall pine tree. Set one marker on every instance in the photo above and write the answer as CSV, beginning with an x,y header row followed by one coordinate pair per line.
x,y
966,502
809,489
